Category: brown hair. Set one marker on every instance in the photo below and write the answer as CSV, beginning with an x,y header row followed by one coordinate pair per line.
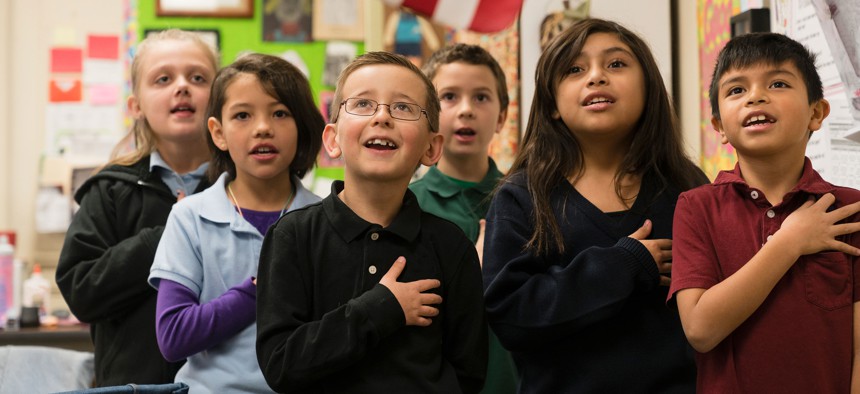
x,y
550,152
140,133
382,58
285,83
469,54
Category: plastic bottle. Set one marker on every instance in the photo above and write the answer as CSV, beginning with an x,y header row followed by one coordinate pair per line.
x,y
7,257
37,291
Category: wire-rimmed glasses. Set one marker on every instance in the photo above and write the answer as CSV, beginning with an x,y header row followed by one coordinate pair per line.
x,y
368,107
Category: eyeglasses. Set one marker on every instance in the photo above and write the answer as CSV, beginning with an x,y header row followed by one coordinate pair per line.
x,y
398,109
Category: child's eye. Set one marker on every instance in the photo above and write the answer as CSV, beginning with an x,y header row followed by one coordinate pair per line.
x,y
482,98
617,64
241,115
402,107
361,103
162,79
282,113
779,84
447,97
198,78
734,90
574,70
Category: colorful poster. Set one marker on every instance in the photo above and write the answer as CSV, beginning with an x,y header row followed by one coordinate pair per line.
x,y
714,32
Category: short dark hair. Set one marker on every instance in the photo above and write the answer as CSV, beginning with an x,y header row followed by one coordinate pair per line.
x,y
768,48
379,58
469,54
285,83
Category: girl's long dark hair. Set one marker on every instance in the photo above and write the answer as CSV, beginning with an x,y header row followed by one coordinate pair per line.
x,y
549,152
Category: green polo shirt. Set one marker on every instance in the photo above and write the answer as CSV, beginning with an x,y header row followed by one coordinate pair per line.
x,y
465,203
447,198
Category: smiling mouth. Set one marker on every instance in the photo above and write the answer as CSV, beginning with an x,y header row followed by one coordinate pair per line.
x,y
465,132
379,143
758,119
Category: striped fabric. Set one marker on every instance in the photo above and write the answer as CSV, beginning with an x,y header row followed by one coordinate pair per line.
x,y
483,16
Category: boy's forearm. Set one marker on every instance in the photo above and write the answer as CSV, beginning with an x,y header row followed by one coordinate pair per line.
x,y
709,316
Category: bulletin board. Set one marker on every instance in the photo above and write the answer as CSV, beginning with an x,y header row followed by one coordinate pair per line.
x,y
828,28
262,33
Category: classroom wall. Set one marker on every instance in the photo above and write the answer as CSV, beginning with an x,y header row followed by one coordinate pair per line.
x,y
27,29
27,32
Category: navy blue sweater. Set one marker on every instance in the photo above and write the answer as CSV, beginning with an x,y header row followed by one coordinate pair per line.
x,y
591,319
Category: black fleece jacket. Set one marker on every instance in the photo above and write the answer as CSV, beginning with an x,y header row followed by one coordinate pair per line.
x,y
104,265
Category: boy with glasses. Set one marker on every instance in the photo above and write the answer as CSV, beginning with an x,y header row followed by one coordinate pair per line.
x,y
364,292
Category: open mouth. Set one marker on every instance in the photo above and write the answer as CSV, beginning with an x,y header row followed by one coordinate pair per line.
x,y
758,119
264,150
181,108
598,100
381,144
467,132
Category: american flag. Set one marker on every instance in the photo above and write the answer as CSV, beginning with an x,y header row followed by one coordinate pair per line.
x,y
483,16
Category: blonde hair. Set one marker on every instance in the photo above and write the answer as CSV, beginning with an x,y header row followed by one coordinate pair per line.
x,y
140,133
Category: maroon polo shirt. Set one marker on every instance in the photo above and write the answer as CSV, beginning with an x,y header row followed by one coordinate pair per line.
x,y
800,339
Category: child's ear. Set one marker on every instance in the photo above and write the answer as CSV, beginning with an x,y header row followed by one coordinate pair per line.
x,y
501,123
133,107
330,143
820,110
217,133
718,126
434,151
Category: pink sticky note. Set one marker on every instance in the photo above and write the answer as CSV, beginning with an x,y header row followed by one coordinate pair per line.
x,y
103,94
103,47
66,60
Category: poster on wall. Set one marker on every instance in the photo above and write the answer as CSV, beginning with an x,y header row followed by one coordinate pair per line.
x,y
338,20
287,20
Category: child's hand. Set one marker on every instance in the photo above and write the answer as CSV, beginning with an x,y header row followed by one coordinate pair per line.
x,y
661,251
811,229
411,296
479,244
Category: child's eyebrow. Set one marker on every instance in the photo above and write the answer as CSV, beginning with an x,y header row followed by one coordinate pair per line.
x,y
768,74
610,51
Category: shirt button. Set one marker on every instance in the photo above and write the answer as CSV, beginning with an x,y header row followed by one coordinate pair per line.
x,y
771,213
372,269
374,237
754,194
769,237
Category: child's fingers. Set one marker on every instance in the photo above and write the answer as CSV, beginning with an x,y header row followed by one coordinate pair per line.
x,y
428,311
846,211
395,271
845,248
430,299
665,280
425,284
643,232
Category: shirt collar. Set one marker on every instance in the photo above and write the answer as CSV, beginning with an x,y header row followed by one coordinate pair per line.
x,y
220,209
156,161
350,226
438,183
810,181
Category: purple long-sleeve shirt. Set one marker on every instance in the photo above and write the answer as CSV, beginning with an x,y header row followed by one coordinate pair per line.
x,y
184,327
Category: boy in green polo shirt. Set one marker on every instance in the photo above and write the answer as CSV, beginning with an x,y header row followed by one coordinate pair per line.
x,y
474,98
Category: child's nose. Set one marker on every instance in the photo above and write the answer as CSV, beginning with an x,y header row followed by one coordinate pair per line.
x,y
757,95
382,115
596,76
466,109
263,128
182,85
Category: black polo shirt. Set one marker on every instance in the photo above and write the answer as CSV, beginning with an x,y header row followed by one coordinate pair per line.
x,y
325,324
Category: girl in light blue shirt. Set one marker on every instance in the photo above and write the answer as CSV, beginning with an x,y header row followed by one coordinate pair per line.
x,y
265,132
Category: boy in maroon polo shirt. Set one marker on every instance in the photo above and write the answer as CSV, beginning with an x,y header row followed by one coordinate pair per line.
x,y
766,275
